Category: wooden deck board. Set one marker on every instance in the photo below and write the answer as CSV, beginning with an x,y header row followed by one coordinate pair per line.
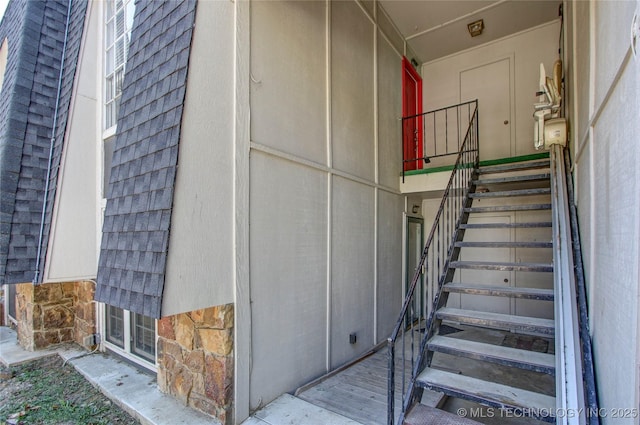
x,y
356,409
358,392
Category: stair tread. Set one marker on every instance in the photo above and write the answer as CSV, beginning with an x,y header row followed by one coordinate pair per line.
x,y
493,290
502,265
511,193
515,357
510,244
512,179
523,207
497,320
505,225
491,393
518,166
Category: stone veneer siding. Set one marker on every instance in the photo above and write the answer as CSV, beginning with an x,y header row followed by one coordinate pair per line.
x,y
54,313
195,359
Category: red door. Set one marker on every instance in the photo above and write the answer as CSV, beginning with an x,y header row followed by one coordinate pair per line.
x,y
411,106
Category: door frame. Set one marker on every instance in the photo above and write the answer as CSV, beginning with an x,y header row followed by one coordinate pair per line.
x,y
409,72
408,274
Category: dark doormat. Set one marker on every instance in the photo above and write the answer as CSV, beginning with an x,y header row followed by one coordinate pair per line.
x,y
526,342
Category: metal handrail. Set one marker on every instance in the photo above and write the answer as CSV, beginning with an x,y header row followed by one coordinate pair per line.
x,y
569,381
437,133
417,313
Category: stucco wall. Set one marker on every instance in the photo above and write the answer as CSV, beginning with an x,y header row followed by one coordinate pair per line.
x,y
75,223
608,191
325,212
200,247
524,52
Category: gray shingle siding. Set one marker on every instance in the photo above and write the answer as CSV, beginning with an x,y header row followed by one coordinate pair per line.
x,y
14,104
35,31
135,233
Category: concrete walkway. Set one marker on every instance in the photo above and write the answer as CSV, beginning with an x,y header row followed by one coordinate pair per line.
x,y
137,393
290,410
134,391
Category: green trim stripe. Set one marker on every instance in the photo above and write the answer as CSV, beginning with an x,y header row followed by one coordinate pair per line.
x,y
500,161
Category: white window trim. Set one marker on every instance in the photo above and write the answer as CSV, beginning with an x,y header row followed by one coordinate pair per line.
x,y
126,351
109,132
7,318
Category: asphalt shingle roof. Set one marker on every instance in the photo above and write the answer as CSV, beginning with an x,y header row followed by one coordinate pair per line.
x,y
135,233
35,31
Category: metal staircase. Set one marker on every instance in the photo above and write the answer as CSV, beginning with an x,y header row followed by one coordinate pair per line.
x,y
511,187
453,281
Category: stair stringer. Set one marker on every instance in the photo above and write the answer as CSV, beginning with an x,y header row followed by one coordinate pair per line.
x,y
433,323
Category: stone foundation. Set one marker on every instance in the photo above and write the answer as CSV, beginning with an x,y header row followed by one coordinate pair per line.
x,y
54,313
195,359
85,308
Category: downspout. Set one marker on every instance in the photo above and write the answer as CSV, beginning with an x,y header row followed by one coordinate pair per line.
x,y
36,277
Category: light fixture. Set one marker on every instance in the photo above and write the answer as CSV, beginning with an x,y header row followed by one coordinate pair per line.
x,y
475,28
415,209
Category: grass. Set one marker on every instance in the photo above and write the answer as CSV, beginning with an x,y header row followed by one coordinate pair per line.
x,y
46,392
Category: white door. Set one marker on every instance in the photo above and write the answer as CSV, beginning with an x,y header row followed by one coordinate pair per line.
x,y
490,84
485,277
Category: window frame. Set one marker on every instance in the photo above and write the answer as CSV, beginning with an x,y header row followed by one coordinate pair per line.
x,y
126,350
115,48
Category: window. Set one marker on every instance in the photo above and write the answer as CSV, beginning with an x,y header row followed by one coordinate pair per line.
x,y
131,333
4,48
118,23
10,305
115,325
143,337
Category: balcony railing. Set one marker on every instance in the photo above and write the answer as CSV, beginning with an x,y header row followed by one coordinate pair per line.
x,y
435,134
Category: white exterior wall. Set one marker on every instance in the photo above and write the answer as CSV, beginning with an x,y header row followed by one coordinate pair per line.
x,y
325,210
442,87
72,253
606,116
524,51
200,262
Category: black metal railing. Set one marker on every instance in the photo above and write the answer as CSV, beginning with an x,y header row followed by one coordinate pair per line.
x,y
435,134
416,319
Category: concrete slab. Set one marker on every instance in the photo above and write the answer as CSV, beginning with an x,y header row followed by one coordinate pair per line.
x,y
130,388
254,421
289,410
11,354
134,391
